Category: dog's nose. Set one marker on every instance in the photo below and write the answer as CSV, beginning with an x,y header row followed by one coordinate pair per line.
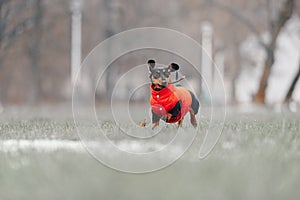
x,y
164,83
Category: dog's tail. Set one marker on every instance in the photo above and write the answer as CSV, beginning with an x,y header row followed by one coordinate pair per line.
x,y
195,103
178,80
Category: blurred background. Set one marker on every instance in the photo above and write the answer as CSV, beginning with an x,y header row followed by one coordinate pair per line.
x,y
256,44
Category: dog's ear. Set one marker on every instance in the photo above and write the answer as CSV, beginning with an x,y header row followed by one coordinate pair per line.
x,y
151,65
173,67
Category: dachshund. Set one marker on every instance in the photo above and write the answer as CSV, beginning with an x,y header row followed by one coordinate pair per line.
x,y
168,102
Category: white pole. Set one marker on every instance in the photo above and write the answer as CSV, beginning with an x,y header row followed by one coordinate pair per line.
x,y
206,58
75,38
219,82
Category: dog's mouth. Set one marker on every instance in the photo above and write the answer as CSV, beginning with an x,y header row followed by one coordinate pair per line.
x,y
158,87
160,83
160,77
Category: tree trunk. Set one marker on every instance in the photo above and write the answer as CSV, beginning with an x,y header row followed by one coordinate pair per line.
x,y
284,16
292,87
236,72
4,14
261,93
113,27
34,52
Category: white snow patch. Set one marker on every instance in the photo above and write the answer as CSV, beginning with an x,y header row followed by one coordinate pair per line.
x,y
40,145
77,146
228,145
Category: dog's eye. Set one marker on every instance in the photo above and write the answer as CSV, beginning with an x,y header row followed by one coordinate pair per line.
x,y
166,74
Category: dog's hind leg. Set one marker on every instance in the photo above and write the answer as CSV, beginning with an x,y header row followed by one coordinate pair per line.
x,y
193,117
194,109
180,123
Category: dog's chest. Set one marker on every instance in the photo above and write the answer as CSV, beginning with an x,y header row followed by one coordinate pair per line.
x,y
164,100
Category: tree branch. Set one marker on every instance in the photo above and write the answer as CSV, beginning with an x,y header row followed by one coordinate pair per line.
x,y
292,87
238,16
283,16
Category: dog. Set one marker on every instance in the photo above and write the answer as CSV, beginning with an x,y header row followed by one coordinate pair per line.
x,y
168,102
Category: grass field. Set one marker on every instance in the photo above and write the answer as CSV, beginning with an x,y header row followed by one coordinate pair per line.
x,y
256,157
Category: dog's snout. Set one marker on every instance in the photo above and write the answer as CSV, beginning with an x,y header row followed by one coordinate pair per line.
x,y
160,76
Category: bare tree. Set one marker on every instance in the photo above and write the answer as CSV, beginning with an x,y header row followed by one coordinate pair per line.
x,y
9,32
236,72
276,26
34,49
292,87
236,20
14,21
113,8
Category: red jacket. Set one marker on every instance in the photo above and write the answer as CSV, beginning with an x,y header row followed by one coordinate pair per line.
x,y
165,100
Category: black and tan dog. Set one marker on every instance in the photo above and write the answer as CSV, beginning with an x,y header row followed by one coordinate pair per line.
x,y
168,102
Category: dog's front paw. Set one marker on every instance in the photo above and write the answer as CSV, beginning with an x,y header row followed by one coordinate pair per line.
x,y
167,117
155,125
143,124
